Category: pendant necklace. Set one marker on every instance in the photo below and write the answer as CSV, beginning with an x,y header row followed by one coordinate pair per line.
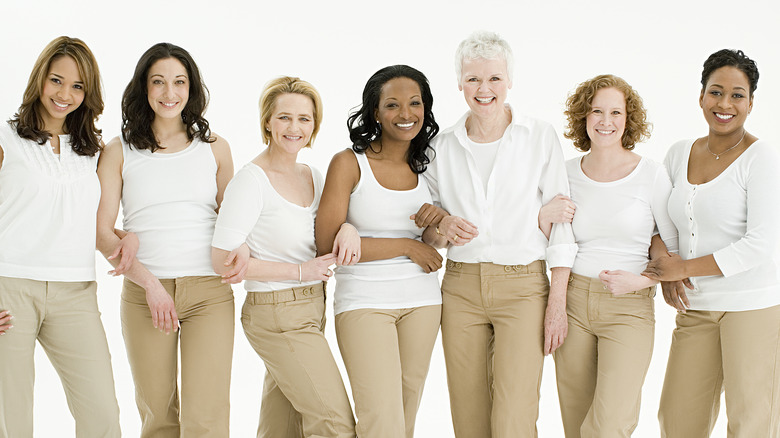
x,y
717,156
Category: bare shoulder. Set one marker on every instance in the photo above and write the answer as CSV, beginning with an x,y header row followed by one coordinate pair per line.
x,y
344,160
220,148
112,153
219,142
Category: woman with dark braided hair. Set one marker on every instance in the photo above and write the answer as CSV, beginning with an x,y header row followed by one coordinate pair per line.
x,y
725,282
388,305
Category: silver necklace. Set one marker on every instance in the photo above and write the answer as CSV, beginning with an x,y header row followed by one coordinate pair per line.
x,y
717,156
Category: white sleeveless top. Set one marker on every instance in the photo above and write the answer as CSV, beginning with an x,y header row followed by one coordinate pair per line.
x,y
274,228
170,202
48,209
396,283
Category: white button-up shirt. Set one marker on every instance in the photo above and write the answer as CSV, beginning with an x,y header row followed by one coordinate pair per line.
x,y
528,172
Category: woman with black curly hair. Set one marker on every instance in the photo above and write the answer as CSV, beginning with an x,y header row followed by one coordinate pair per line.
x,y
620,200
387,306
170,172
723,203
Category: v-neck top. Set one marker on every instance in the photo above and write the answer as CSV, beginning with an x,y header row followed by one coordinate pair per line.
x,y
275,229
733,217
48,210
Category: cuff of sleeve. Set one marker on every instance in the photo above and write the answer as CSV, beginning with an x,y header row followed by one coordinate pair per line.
x,y
728,262
227,239
561,256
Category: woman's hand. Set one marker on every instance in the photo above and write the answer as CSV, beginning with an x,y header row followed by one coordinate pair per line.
x,y
674,294
239,260
318,268
5,321
346,245
127,248
556,326
428,214
163,310
559,210
456,230
621,282
670,268
424,255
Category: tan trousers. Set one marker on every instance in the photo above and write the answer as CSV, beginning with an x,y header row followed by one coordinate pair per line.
x,y
387,354
738,352
303,394
493,339
206,316
601,366
64,318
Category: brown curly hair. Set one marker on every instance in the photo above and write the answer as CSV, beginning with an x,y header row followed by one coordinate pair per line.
x,y
578,106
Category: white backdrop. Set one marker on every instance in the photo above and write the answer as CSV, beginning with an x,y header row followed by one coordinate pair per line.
x,y
658,47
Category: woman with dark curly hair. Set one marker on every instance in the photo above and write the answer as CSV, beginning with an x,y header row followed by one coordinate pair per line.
x,y
170,171
49,196
387,306
620,200
724,206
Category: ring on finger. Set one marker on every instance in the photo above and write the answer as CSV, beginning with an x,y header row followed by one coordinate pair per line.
x,y
455,239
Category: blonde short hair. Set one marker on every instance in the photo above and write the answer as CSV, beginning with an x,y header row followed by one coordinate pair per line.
x,y
288,85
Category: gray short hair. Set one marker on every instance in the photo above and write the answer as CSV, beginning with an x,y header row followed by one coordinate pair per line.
x,y
487,45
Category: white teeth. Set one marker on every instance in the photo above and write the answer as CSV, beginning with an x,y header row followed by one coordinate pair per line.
x,y
405,125
484,99
604,132
60,105
292,137
169,104
724,116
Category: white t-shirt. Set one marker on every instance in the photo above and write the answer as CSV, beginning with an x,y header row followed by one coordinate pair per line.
x,y
275,229
733,217
616,220
396,283
528,172
170,202
485,158
48,210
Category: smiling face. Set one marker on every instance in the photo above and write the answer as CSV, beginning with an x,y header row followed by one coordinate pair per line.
x,y
485,83
168,87
726,100
606,121
63,93
401,111
291,122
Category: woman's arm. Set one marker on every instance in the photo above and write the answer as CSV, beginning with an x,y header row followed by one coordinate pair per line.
x,y
559,210
110,175
316,269
224,159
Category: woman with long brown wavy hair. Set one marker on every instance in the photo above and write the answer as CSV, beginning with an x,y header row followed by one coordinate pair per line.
x,y
49,195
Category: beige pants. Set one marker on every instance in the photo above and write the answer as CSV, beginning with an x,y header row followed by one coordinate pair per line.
x,y
738,352
493,337
64,318
206,315
303,394
387,354
601,366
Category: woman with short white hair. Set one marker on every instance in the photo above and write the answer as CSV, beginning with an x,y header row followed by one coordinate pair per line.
x,y
492,172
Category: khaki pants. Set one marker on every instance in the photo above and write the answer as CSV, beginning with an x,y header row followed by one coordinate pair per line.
x,y
493,339
738,352
64,318
206,315
303,394
601,366
387,354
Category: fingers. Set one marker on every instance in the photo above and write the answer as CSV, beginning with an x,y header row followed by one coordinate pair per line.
x,y
327,258
116,252
124,264
5,322
231,258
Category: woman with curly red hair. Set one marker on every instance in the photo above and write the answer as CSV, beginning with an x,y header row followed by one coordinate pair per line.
x,y
620,200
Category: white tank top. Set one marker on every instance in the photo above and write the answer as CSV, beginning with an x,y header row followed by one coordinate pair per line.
x,y
48,209
396,283
170,202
